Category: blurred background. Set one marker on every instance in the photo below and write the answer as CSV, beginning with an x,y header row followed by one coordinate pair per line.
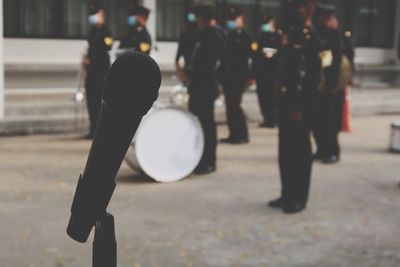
x,y
44,41
221,220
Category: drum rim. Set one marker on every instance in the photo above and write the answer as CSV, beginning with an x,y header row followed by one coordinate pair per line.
x,y
202,140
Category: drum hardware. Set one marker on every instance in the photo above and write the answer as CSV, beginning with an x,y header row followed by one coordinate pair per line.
x,y
79,97
179,97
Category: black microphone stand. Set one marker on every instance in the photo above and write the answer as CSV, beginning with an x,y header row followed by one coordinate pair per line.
x,y
121,113
104,244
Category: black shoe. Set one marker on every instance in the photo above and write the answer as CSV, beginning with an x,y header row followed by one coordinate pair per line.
x,y
276,204
235,141
202,170
330,160
293,208
269,125
88,137
317,156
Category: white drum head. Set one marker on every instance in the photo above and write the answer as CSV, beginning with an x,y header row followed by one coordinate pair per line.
x,y
169,144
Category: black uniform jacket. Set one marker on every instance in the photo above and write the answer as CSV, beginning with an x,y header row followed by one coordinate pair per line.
x,y
100,42
238,53
207,56
138,38
186,44
268,49
301,70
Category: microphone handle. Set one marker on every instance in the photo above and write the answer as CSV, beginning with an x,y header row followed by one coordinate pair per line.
x,y
113,136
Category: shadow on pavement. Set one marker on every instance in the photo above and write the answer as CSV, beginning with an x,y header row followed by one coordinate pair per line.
x,y
134,178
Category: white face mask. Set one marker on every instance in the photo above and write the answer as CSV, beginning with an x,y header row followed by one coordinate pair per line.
x,y
93,19
266,27
132,21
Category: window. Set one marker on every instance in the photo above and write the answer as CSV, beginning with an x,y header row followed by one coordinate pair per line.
x,y
61,19
45,18
371,21
74,22
170,19
21,18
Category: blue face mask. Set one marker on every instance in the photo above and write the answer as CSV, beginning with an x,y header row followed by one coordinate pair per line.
x,y
231,24
191,17
93,19
132,20
266,28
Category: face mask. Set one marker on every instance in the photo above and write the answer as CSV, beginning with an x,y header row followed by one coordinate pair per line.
x,y
266,28
191,17
93,19
231,24
132,20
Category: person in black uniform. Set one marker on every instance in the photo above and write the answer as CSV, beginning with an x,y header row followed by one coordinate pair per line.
x,y
301,71
96,62
203,85
138,37
345,80
329,97
187,41
266,68
236,75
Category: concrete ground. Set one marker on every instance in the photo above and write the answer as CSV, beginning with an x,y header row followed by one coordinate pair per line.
x,y
353,218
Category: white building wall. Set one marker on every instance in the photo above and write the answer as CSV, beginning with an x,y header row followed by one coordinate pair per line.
x,y
34,54
37,53
151,23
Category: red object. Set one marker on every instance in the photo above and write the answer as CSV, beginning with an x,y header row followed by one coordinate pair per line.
x,y
346,122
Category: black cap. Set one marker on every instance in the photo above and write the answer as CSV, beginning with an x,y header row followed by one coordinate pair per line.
x,y
94,7
325,10
189,4
139,10
234,11
299,3
132,70
267,19
206,11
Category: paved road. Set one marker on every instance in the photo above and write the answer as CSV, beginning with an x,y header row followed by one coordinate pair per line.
x,y
221,220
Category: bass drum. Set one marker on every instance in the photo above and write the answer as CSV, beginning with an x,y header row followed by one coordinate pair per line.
x,y
168,145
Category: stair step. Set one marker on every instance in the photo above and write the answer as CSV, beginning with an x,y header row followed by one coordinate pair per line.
x,y
38,125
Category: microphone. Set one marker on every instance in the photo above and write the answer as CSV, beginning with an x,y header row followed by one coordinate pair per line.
x,y
130,89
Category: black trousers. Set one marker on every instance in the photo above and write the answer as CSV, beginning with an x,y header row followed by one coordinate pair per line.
x,y
338,103
266,91
233,91
295,160
328,121
202,105
94,94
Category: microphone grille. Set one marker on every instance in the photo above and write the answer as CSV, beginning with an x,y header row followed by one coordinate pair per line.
x,y
132,82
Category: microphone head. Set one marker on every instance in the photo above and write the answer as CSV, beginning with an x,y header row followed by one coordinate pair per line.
x,y
132,83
